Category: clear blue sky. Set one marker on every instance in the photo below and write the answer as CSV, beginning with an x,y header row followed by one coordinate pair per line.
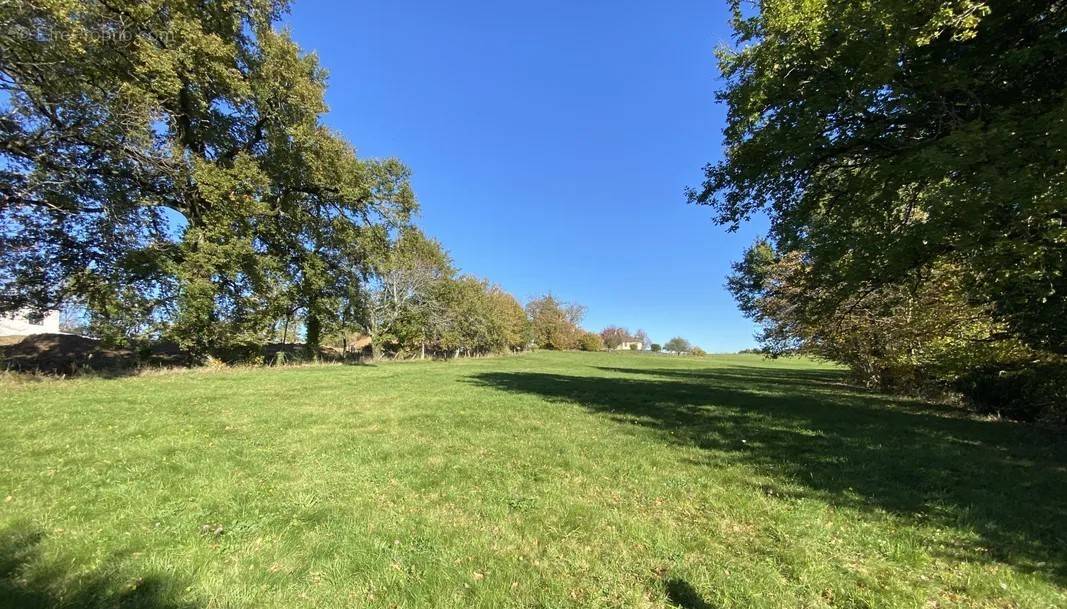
x,y
550,143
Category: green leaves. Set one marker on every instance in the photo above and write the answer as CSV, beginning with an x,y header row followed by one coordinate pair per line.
x,y
121,115
886,140
959,19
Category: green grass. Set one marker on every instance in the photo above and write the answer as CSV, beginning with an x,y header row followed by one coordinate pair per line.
x,y
543,480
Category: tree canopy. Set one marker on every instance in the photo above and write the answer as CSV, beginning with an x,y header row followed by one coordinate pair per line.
x,y
555,324
887,138
165,163
911,159
677,345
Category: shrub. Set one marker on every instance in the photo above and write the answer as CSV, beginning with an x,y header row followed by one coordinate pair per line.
x,y
697,351
589,341
1036,392
656,348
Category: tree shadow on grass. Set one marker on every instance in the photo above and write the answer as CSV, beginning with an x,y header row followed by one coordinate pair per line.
x,y
27,582
682,595
1005,482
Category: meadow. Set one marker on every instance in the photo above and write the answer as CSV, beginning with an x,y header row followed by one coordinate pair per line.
x,y
540,480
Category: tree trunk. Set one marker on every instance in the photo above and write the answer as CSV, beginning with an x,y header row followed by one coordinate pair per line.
x,y
313,330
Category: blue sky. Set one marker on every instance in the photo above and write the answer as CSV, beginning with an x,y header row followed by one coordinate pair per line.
x,y
550,144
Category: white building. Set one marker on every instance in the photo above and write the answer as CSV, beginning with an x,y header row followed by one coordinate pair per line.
x,y
631,345
20,324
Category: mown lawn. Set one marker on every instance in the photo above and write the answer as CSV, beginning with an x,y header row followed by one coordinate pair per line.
x,y
543,480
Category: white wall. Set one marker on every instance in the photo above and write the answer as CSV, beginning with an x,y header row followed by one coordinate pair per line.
x,y
19,325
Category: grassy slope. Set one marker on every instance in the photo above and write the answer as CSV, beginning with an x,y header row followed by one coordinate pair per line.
x,y
545,480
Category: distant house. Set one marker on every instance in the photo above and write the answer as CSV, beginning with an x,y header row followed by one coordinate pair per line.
x,y
630,345
22,324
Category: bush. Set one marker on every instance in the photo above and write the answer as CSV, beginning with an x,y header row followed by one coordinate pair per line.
x,y
1036,392
697,351
589,341
656,348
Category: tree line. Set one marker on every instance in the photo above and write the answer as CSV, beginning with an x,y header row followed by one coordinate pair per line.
x,y
910,157
177,182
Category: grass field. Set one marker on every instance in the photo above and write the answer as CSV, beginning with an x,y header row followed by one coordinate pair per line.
x,y
543,480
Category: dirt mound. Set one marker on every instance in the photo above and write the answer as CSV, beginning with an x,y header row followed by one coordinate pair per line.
x,y
63,353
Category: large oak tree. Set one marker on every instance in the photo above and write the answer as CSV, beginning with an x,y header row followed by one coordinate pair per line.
x,y
167,158
888,139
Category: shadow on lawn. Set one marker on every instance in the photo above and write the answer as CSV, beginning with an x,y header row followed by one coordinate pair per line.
x,y
27,583
1005,482
682,595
